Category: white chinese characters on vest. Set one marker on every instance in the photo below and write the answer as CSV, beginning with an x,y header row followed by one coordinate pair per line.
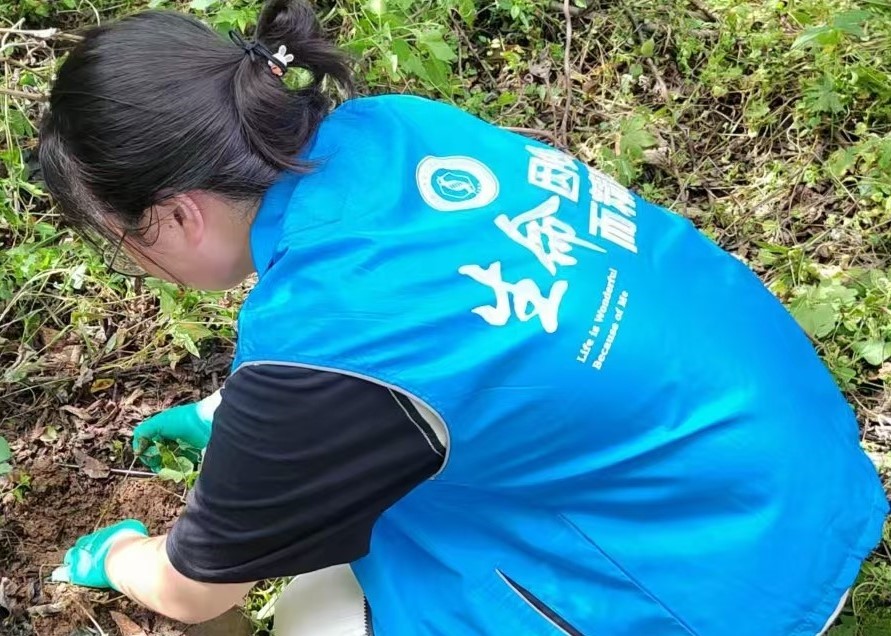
x,y
462,183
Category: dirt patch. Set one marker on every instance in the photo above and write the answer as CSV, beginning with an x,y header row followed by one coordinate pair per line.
x,y
59,501
63,505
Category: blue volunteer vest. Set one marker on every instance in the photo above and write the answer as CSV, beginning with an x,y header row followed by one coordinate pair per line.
x,y
642,442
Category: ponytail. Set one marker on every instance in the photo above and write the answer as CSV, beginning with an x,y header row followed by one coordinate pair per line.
x,y
293,24
158,104
265,106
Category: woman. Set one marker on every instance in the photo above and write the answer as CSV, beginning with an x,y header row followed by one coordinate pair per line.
x,y
513,396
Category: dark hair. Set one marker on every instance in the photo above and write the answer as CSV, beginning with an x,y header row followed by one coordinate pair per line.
x,y
158,104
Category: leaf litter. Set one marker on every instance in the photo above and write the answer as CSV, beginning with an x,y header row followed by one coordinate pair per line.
x,y
73,491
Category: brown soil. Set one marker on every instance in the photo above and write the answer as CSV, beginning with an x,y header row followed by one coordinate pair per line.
x,y
63,503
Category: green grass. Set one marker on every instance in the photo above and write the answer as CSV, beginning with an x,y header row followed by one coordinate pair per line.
x,y
768,123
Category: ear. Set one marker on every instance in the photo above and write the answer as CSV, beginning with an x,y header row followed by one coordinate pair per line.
x,y
186,212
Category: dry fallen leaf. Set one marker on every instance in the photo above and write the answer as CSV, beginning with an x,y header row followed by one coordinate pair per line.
x,y
101,385
131,399
126,625
48,336
80,414
93,468
49,434
50,609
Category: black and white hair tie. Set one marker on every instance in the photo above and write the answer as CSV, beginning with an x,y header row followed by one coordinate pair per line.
x,y
278,62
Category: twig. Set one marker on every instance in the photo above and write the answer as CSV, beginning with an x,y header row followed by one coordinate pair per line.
x,y
118,471
95,11
876,417
471,53
660,83
575,12
567,72
538,132
43,34
34,97
90,616
13,62
49,609
561,8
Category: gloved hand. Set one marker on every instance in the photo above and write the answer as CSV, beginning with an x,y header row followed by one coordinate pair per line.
x,y
187,423
84,564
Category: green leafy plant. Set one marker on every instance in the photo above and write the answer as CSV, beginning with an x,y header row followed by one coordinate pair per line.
x,y
5,457
20,480
865,166
22,486
177,462
846,24
188,317
847,312
224,16
260,605
624,158
868,613
35,9
403,41
522,11
174,461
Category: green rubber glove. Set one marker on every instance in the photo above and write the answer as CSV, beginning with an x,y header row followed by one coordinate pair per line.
x,y
187,423
84,564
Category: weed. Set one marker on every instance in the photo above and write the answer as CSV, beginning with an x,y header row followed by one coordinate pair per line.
x,y
869,613
18,482
846,310
176,461
21,486
5,457
35,9
260,605
188,317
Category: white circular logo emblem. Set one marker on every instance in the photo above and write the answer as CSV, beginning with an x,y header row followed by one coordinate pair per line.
x,y
450,184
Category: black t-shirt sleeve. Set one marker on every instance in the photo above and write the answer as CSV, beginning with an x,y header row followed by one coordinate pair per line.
x,y
300,465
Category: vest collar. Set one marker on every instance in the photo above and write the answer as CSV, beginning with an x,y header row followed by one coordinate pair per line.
x,y
266,229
